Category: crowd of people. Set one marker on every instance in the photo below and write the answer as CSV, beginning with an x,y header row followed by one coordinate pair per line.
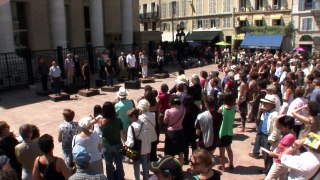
x,y
278,92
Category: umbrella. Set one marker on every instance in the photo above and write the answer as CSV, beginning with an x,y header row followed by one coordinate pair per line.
x,y
300,49
222,43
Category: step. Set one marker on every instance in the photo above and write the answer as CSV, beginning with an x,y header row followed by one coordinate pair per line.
x,y
62,97
88,93
132,84
161,76
110,88
147,80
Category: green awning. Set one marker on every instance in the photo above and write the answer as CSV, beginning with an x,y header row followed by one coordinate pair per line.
x,y
202,35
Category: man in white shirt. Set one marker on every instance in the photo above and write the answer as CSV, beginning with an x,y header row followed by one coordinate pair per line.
x,y
131,62
55,75
278,69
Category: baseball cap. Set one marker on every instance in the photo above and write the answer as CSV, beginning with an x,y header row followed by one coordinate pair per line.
x,y
167,165
80,155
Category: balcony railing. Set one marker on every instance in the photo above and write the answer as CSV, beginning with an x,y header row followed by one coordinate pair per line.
x,y
261,9
149,15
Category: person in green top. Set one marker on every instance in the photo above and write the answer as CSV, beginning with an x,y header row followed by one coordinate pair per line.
x,y
228,111
110,127
122,107
101,66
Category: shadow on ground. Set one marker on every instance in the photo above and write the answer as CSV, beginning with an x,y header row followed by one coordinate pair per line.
x,y
246,170
240,137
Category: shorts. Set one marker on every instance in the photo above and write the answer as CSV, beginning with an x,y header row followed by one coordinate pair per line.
x,y
225,141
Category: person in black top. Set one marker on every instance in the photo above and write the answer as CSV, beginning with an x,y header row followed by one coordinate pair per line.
x,y
77,67
48,166
7,145
86,74
192,111
43,70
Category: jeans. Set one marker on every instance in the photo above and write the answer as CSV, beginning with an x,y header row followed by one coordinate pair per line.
x,y
68,158
110,80
259,140
144,160
112,154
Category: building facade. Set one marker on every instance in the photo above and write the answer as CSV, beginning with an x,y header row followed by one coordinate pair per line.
x,y
197,15
306,19
46,24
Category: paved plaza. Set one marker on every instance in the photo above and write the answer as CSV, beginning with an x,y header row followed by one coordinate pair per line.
x,y
24,106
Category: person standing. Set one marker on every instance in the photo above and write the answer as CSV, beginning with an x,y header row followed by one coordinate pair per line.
x,y
160,59
86,74
43,70
69,68
27,151
131,62
122,107
55,75
110,72
144,61
101,66
315,94
122,63
77,68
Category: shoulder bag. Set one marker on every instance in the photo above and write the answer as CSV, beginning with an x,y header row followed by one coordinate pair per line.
x,y
133,152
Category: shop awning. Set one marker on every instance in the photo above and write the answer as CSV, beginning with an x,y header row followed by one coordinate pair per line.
x,y
242,18
202,35
275,16
262,41
258,17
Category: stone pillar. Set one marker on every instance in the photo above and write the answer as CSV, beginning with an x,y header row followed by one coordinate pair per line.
x,y
58,23
96,23
6,30
126,23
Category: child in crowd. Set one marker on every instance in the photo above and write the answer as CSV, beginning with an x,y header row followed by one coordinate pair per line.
x,y
66,132
97,110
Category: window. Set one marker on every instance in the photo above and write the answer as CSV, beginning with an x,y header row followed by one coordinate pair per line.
x,y
212,23
259,4
174,9
144,11
227,22
276,3
153,7
199,24
217,23
145,26
205,23
242,5
165,27
212,6
164,10
199,5
258,22
154,26
276,22
19,20
307,24
226,6
243,23
87,28
184,8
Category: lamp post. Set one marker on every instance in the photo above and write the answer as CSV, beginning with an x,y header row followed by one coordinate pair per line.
x,y
179,39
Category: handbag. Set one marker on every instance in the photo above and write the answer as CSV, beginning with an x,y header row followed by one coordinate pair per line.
x,y
133,152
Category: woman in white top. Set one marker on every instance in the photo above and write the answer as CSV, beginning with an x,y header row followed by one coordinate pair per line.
x,y
242,101
149,119
141,132
288,96
91,141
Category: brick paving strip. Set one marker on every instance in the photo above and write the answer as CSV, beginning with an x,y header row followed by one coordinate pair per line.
x,y
24,106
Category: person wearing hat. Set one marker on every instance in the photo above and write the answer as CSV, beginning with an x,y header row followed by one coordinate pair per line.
x,y
91,141
167,168
69,68
122,63
82,160
122,107
269,134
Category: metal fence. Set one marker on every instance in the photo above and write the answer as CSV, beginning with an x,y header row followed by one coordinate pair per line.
x,y
21,68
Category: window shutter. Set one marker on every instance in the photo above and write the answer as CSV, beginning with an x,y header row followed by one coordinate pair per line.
x,y
301,5
217,23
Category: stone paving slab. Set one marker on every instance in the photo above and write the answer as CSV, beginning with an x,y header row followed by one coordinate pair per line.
x,y
24,106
